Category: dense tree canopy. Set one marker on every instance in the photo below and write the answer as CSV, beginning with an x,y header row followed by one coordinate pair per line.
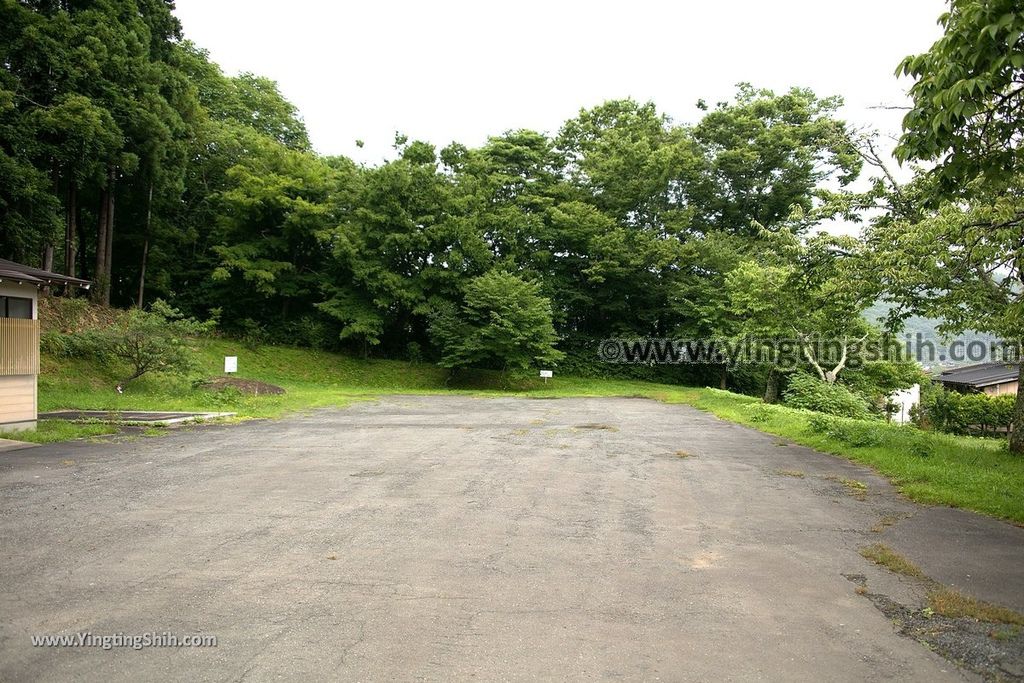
x,y
503,323
951,244
134,161
968,97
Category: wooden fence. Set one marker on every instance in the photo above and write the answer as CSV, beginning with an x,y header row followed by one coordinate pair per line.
x,y
19,346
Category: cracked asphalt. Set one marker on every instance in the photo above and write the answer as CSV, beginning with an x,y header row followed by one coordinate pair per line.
x,y
451,537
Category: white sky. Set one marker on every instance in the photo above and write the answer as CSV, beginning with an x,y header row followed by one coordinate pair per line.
x,y
448,70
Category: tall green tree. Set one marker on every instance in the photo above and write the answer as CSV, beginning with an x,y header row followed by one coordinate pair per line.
x,y
767,163
503,323
766,154
88,100
962,260
806,292
633,172
968,94
397,253
268,240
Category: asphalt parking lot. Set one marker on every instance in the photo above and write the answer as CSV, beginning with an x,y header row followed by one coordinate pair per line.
x,y
453,538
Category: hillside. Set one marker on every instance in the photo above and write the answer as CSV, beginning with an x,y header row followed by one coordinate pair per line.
x,y
926,330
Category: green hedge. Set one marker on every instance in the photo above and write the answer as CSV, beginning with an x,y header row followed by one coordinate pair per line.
x,y
810,393
956,413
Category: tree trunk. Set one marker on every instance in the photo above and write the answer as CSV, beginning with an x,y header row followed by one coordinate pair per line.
x,y
83,256
722,377
771,390
145,245
47,260
70,218
142,273
47,263
1017,421
109,246
99,272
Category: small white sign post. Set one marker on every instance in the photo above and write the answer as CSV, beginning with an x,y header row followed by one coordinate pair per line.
x,y
546,374
230,364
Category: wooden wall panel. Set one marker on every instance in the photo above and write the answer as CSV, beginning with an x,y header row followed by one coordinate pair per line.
x,y
19,346
17,398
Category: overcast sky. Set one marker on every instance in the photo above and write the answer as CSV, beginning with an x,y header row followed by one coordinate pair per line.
x,y
443,71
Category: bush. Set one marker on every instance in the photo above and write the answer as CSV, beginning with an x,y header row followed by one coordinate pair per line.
x,y
956,413
63,345
760,412
252,334
504,323
139,342
311,332
810,393
853,432
414,352
867,433
583,359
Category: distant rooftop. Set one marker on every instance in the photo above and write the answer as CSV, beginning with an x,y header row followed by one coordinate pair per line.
x,y
981,375
22,274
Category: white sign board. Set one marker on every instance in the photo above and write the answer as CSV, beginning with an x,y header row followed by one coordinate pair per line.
x,y
546,373
230,363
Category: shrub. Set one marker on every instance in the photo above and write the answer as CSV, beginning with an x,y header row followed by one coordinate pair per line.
x,y
917,443
956,413
64,345
866,433
819,423
850,431
146,341
253,335
227,397
504,323
760,412
414,352
810,393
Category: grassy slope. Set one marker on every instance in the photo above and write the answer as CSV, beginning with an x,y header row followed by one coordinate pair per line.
x,y
977,474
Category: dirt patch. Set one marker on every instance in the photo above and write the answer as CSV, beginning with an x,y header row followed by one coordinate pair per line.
x,y
984,638
993,651
246,386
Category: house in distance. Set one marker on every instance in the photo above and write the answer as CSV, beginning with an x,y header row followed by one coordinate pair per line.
x,y
994,379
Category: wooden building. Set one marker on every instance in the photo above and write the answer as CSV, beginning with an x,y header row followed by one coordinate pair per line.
x,y
20,287
994,379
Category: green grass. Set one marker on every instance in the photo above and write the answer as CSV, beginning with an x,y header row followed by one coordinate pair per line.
x,y
956,605
973,473
51,431
311,379
885,556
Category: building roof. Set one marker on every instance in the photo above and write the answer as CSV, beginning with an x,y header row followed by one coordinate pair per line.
x,y
981,375
22,274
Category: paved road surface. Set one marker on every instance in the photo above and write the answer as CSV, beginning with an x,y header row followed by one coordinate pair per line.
x,y
444,538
